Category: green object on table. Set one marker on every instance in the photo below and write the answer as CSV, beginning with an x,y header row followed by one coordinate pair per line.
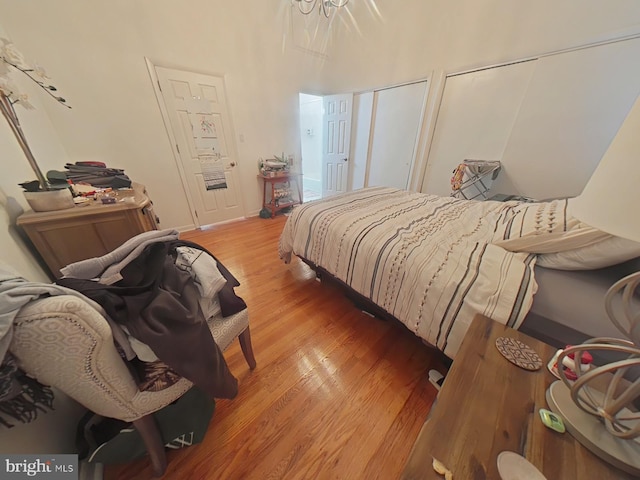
x,y
551,420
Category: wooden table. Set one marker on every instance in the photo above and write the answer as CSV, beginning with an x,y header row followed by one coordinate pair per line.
x,y
488,405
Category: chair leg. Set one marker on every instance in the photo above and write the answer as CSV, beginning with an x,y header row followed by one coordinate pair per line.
x,y
247,348
148,430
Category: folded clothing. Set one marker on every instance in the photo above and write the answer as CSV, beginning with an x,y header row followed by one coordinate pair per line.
x,y
97,175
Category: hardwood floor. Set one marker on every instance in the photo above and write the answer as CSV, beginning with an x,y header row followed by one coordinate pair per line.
x,y
336,393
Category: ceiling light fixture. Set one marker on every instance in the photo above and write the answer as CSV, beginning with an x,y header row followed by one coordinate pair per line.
x,y
325,7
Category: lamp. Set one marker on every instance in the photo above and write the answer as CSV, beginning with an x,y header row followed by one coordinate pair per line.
x,y
603,418
325,7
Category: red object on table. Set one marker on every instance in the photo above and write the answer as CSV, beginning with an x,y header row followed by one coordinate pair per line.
x,y
585,359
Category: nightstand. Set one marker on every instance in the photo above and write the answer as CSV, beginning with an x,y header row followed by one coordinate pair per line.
x,y
488,405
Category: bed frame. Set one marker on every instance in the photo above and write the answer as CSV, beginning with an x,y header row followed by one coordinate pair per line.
x,y
567,309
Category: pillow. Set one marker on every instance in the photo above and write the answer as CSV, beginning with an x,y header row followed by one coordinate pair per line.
x,y
560,240
610,251
533,219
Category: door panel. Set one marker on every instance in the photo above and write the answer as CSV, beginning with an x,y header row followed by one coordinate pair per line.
x,y
336,135
199,120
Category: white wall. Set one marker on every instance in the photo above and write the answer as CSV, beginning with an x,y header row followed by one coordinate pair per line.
x,y
50,154
94,52
409,41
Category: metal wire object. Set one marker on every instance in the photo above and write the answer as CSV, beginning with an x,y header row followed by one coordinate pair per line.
x,y
616,407
471,179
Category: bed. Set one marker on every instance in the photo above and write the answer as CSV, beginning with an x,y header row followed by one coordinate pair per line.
x,y
433,262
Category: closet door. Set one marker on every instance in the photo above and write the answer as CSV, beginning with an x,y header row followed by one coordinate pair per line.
x,y
397,118
575,104
549,121
360,132
477,111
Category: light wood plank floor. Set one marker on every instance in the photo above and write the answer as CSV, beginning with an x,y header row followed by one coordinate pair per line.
x,y
336,394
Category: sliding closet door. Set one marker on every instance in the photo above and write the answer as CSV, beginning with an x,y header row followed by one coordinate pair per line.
x,y
477,112
549,121
575,104
396,122
360,133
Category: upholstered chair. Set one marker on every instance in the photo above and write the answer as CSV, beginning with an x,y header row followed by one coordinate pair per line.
x,y
65,343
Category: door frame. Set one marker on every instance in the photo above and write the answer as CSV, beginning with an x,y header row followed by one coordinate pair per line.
x,y
155,82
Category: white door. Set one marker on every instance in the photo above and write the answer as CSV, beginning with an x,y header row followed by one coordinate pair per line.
x,y
397,121
336,137
200,128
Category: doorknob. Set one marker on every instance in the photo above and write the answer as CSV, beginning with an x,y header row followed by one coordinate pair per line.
x,y
232,164
345,159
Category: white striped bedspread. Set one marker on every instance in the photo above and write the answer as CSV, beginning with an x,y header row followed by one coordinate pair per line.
x,y
427,260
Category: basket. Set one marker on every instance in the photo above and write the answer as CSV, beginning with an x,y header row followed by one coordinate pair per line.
x,y
49,200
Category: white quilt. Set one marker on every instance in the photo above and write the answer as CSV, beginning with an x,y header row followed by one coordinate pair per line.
x,y
427,260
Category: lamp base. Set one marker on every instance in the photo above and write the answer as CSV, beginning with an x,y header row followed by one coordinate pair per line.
x,y
591,432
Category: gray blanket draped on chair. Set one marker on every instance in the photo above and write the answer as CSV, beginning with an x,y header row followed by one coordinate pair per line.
x,y
21,397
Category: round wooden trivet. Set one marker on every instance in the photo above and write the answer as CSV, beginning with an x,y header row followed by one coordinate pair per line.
x,y
518,353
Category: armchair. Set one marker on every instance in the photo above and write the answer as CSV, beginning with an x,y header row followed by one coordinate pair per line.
x,y
65,343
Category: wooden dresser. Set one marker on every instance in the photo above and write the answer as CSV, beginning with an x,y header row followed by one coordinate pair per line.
x,y
488,405
66,236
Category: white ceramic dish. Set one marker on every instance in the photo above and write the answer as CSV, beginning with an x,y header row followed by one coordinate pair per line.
x,y
512,466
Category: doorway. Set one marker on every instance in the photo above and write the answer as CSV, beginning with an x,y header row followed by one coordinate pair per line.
x,y
325,133
311,146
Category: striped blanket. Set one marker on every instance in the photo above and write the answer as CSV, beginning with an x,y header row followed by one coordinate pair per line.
x,y
427,260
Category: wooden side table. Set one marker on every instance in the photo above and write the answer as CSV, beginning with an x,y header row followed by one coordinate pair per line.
x,y
270,199
488,405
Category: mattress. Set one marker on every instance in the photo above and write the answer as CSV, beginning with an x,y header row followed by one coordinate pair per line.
x,y
575,299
